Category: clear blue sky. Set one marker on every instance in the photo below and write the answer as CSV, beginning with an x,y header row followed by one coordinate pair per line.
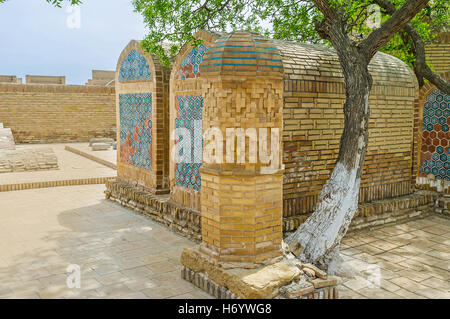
x,y
35,38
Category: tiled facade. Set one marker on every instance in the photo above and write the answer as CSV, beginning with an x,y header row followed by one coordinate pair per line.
x,y
435,156
238,85
134,67
142,89
431,158
136,129
186,87
189,116
190,66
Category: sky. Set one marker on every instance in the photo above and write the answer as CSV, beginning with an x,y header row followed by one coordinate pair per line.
x,y
39,39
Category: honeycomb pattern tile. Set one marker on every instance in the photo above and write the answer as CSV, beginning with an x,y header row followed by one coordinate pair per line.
x,y
136,129
435,156
190,66
134,67
189,116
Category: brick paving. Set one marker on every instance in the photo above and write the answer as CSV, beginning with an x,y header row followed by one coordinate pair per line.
x,y
409,260
123,255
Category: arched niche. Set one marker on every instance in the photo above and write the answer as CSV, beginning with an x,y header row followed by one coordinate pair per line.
x,y
142,90
186,106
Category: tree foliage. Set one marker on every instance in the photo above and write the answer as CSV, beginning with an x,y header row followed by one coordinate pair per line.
x,y
176,21
56,3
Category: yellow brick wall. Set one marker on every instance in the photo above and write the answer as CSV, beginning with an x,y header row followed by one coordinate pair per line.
x,y
57,113
437,53
313,122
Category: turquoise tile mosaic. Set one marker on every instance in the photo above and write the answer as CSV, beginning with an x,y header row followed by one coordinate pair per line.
x,y
435,155
190,66
134,67
136,129
189,115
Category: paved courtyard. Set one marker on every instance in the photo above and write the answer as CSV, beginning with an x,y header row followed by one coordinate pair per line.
x,y
123,255
409,260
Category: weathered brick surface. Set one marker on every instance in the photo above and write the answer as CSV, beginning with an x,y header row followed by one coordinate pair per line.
x,y
156,179
184,87
313,121
380,212
242,206
57,113
45,79
157,207
437,53
28,160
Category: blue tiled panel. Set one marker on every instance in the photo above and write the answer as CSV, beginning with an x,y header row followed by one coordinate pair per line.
x,y
190,66
435,155
134,67
189,115
136,129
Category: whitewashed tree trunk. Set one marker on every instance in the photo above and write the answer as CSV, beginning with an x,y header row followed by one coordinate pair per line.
x,y
321,234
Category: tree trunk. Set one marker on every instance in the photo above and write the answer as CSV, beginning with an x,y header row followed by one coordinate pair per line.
x,y
321,234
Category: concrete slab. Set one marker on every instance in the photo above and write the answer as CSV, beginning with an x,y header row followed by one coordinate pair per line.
x,y
6,139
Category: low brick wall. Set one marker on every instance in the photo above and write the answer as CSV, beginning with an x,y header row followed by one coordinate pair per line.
x,y
28,160
376,213
46,184
91,157
187,222
57,113
443,205
160,208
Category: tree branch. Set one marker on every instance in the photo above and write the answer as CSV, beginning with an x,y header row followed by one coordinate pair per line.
x,y
421,68
379,37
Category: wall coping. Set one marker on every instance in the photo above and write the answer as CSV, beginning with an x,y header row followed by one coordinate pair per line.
x,y
55,88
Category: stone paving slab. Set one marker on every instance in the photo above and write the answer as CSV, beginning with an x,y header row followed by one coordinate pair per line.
x,y
121,255
6,139
409,260
72,166
109,155
124,255
105,157
35,159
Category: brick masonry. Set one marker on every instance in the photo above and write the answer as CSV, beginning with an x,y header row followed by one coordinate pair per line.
x,y
185,83
142,90
443,205
39,113
380,212
202,281
45,184
313,122
28,160
312,94
437,53
431,157
160,208
187,221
